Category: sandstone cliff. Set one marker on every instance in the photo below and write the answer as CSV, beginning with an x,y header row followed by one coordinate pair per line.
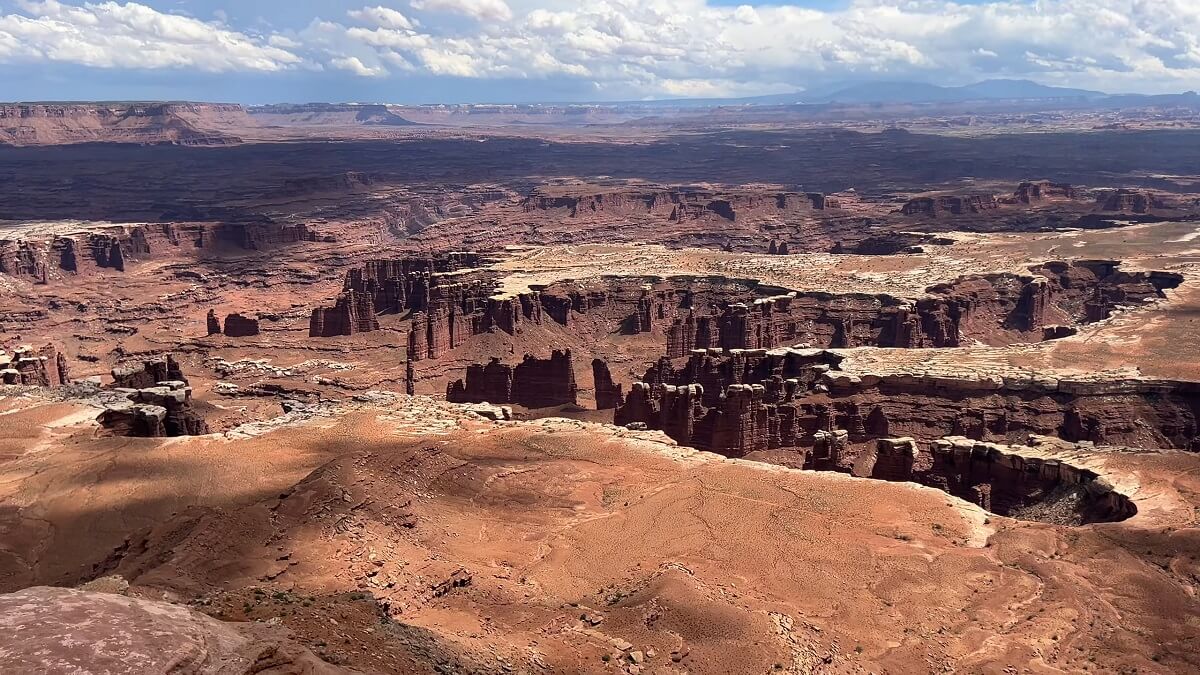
x,y
353,312
739,401
44,255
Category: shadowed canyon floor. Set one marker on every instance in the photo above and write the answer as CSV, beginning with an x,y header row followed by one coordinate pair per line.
x,y
465,400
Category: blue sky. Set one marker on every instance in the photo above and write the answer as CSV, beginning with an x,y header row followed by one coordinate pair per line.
x,y
259,51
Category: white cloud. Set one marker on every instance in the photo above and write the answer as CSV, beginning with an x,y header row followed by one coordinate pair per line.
x,y
384,17
113,35
353,65
483,10
630,48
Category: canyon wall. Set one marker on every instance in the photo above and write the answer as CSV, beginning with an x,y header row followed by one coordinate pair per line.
x,y
994,309
448,298
192,124
1016,480
740,401
678,204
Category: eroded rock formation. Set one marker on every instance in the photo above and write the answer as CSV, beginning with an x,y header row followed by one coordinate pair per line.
x,y
148,373
532,383
449,298
237,325
44,367
993,308
1033,192
949,204
608,394
1129,201
34,368
42,256
676,204
165,409
354,312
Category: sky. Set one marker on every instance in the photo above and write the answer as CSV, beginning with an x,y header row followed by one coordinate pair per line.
x,y
427,51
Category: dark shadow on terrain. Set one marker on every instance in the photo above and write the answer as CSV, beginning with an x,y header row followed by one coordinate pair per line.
x,y
126,182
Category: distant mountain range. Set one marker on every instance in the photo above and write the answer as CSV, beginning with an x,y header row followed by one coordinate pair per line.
x,y
916,92
920,92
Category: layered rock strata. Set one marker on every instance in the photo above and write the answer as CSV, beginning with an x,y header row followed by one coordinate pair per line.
x,y
949,204
678,204
993,308
1129,201
1033,192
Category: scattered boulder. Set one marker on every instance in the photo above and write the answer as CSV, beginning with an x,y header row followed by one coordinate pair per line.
x,y
492,412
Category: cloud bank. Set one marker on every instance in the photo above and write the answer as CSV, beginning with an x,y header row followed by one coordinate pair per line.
x,y
628,48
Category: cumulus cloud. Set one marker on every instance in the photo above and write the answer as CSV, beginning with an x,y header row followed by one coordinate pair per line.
x,y
353,65
384,17
655,47
130,35
483,10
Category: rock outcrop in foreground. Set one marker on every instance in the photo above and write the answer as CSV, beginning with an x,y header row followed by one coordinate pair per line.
x,y
59,631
